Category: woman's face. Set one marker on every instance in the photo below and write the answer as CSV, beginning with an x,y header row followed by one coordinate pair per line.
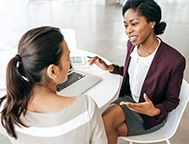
x,y
137,28
64,62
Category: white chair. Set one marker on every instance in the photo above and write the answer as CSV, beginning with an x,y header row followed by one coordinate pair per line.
x,y
171,125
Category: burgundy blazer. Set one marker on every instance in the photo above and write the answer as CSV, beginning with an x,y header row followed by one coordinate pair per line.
x,y
162,83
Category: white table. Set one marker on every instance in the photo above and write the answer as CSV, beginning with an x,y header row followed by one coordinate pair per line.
x,y
108,89
103,93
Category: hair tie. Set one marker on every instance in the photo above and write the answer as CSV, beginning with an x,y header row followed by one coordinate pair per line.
x,y
19,60
18,57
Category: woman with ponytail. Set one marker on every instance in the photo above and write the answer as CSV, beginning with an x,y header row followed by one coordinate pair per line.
x,y
31,112
152,74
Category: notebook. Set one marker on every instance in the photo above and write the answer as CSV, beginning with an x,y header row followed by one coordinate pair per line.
x,y
77,83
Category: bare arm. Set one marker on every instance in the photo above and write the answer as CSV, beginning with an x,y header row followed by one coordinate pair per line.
x,y
100,63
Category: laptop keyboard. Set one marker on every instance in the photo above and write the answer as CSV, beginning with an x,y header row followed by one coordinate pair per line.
x,y
72,78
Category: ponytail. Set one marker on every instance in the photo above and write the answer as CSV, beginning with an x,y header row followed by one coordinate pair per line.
x,y
17,97
38,48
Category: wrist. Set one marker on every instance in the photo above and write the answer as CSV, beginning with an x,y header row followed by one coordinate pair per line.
x,y
156,112
110,68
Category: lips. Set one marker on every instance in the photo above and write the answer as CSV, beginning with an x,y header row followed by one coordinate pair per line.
x,y
132,38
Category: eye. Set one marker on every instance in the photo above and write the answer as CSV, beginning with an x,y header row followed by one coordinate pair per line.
x,y
134,24
125,25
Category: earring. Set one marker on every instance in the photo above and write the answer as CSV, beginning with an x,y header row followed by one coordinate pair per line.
x,y
55,76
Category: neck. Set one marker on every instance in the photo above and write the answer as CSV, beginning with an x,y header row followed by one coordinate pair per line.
x,y
148,48
45,100
41,94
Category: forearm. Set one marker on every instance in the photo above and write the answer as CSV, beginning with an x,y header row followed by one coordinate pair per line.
x,y
116,69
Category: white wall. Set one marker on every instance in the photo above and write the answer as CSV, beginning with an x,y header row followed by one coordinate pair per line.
x,y
12,22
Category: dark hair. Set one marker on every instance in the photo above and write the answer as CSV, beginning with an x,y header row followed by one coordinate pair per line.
x,y
150,10
37,49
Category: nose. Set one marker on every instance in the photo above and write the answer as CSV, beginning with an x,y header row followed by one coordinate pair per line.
x,y
129,30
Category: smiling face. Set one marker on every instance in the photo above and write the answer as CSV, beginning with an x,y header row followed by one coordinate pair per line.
x,y
137,28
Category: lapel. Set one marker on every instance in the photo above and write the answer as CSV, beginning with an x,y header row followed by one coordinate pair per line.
x,y
152,74
128,58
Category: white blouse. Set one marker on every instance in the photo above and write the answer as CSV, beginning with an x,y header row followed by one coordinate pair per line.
x,y
137,70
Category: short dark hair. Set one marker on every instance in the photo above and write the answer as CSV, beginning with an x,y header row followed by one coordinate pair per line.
x,y
150,10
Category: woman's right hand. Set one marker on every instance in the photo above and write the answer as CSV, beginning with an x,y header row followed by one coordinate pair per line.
x,y
99,62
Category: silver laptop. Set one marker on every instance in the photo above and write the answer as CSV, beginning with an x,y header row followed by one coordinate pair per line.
x,y
77,83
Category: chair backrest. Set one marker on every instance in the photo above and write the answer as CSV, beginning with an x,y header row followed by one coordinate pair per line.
x,y
171,125
175,116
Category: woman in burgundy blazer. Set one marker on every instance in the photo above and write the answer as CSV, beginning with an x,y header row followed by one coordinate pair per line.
x,y
162,83
143,110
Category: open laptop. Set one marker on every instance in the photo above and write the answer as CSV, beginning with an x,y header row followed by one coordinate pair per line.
x,y
77,83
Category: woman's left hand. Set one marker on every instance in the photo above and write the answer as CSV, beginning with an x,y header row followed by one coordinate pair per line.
x,y
146,107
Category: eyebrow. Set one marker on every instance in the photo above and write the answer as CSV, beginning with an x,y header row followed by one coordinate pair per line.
x,y
131,20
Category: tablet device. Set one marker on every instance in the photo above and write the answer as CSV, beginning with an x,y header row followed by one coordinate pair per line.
x,y
78,60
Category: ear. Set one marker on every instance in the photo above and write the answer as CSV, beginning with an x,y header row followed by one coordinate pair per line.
x,y
153,24
52,71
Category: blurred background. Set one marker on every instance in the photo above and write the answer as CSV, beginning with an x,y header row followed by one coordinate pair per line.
x,y
98,26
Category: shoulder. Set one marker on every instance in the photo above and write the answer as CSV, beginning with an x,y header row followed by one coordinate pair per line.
x,y
89,105
170,51
170,54
87,101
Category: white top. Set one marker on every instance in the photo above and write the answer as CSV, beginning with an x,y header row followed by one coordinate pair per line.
x,y
137,70
78,123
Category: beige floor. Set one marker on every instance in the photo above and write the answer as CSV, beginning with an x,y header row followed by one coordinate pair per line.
x,y
99,29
